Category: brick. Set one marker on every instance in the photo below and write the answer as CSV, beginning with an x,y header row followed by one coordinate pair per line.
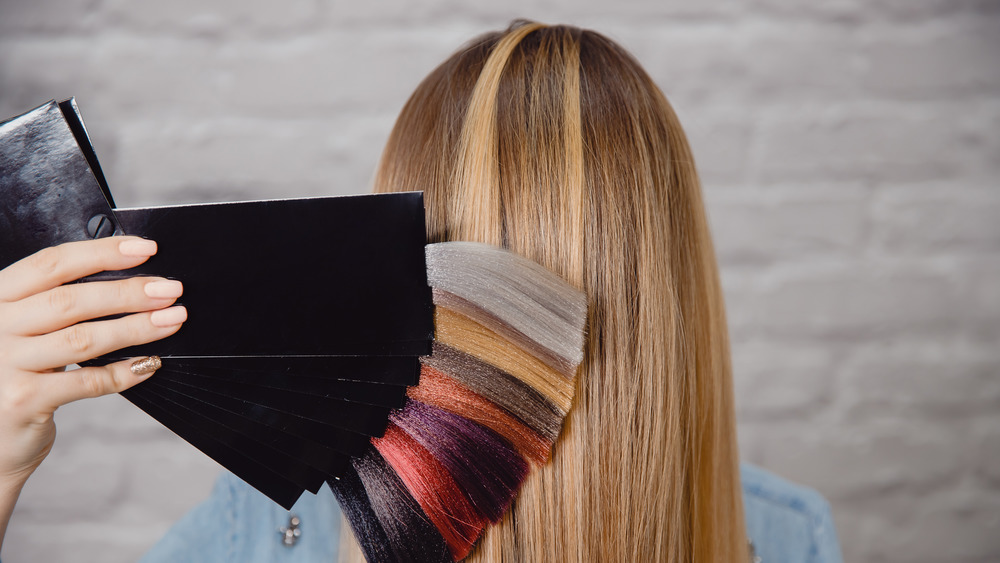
x,y
853,459
940,377
979,278
941,218
247,159
859,526
878,144
498,14
856,12
849,302
909,10
639,12
481,17
114,78
987,457
801,65
943,63
773,380
693,67
213,17
46,16
840,12
346,71
744,68
132,78
34,70
765,226
849,155
721,145
954,524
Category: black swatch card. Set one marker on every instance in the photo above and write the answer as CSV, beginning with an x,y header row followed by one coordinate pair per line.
x,y
361,392
49,193
302,277
306,317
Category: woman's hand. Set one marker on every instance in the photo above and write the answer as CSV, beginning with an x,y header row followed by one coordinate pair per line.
x,y
43,327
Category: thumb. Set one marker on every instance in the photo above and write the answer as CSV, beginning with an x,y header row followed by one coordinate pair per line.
x,y
95,381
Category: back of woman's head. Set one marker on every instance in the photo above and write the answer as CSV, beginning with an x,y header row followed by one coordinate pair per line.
x,y
554,143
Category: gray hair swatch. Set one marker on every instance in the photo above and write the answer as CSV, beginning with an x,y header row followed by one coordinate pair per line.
x,y
529,298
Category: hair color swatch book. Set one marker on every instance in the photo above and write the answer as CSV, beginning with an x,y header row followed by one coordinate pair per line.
x,y
340,280
307,316
51,190
327,343
301,277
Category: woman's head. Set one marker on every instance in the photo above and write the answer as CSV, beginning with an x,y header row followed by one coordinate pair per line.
x,y
554,142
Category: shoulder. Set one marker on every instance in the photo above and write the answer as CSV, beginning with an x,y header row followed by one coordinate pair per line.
x,y
238,523
785,521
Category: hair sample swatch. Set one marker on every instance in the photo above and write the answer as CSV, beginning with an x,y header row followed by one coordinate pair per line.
x,y
490,404
497,386
354,502
439,390
434,489
410,534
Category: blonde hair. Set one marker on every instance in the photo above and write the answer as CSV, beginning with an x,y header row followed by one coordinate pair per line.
x,y
553,142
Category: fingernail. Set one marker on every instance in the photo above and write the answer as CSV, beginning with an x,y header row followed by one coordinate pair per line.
x,y
165,288
169,317
137,247
146,365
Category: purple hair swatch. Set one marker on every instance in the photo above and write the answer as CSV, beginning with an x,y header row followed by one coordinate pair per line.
x,y
485,467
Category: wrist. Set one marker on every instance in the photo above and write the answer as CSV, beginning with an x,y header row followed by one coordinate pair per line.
x,y
12,484
10,490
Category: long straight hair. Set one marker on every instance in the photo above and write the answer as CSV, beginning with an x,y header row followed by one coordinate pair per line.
x,y
553,142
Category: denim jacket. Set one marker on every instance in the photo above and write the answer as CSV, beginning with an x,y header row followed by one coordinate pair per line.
x,y
785,522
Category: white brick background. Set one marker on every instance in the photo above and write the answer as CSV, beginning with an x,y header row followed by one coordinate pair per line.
x,y
850,153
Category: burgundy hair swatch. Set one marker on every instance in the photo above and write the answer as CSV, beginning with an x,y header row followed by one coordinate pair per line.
x,y
441,391
483,464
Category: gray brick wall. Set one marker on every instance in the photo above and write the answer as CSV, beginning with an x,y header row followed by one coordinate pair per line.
x,y
850,156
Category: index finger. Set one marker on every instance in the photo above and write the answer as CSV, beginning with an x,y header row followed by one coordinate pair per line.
x,y
56,265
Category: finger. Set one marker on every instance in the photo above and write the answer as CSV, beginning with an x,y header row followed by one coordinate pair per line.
x,y
57,389
56,265
70,304
86,341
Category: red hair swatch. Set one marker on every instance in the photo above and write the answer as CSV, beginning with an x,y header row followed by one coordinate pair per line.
x,y
443,392
432,486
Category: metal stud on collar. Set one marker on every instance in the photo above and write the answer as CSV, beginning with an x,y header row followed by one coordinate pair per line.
x,y
290,533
